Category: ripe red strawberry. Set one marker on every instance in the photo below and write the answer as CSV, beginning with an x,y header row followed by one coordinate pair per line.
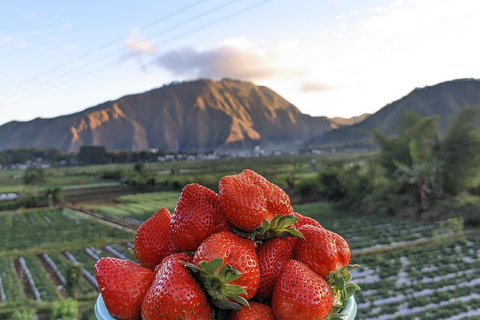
x,y
248,199
257,311
322,250
174,294
301,294
198,215
182,256
272,256
123,285
303,220
153,241
216,257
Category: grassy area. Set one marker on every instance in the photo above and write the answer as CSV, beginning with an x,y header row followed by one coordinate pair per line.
x,y
52,229
141,206
277,169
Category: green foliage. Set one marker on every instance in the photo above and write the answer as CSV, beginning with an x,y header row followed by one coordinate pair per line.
x,y
26,314
22,155
55,195
422,176
407,119
459,151
54,229
34,176
74,279
64,310
348,183
424,131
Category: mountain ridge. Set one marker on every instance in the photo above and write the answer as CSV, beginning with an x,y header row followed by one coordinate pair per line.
x,y
196,116
443,99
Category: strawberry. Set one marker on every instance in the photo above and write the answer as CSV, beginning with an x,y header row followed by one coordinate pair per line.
x,y
198,215
303,220
123,285
182,256
255,312
272,256
153,241
322,250
228,267
249,199
301,294
174,294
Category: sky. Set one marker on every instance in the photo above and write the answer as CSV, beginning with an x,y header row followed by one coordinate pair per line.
x,y
327,57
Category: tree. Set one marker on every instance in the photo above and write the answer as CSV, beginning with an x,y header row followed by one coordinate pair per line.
x,y
74,279
34,176
423,176
55,195
459,150
424,131
26,314
64,310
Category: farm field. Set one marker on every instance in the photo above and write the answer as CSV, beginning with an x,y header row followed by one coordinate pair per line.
x,y
141,207
437,281
47,230
275,168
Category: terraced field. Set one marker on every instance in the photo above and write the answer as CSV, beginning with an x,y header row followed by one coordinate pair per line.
x,y
52,229
433,281
140,207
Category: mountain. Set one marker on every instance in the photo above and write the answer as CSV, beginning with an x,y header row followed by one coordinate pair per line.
x,y
339,122
443,99
193,116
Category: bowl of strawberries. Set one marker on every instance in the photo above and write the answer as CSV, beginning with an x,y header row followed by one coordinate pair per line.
x,y
240,254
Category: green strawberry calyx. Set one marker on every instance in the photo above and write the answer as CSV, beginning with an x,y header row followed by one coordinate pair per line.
x,y
216,279
342,289
280,227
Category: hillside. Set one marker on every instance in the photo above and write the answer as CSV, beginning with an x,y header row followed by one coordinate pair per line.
x,y
339,122
443,99
191,116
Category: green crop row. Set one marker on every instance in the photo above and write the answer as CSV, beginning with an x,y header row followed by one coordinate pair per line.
x,y
45,286
62,264
22,235
11,284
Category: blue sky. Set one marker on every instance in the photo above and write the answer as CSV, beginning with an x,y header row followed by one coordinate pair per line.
x,y
328,57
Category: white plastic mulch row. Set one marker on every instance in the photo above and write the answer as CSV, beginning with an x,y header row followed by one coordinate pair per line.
x,y
72,217
130,245
46,218
30,219
36,294
2,292
396,244
55,269
116,253
408,311
424,292
470,313
91,254
86,274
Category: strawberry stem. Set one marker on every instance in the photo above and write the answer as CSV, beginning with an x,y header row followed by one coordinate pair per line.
x,y
216,279
280,227
342,289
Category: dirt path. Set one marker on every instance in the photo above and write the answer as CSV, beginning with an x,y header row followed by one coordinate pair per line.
x,y
53,277
125,226
25,285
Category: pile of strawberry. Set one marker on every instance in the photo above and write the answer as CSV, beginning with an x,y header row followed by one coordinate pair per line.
x,y
240,254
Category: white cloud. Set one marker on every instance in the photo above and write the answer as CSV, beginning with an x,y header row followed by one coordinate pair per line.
x,y
22,45
137,44
234,58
